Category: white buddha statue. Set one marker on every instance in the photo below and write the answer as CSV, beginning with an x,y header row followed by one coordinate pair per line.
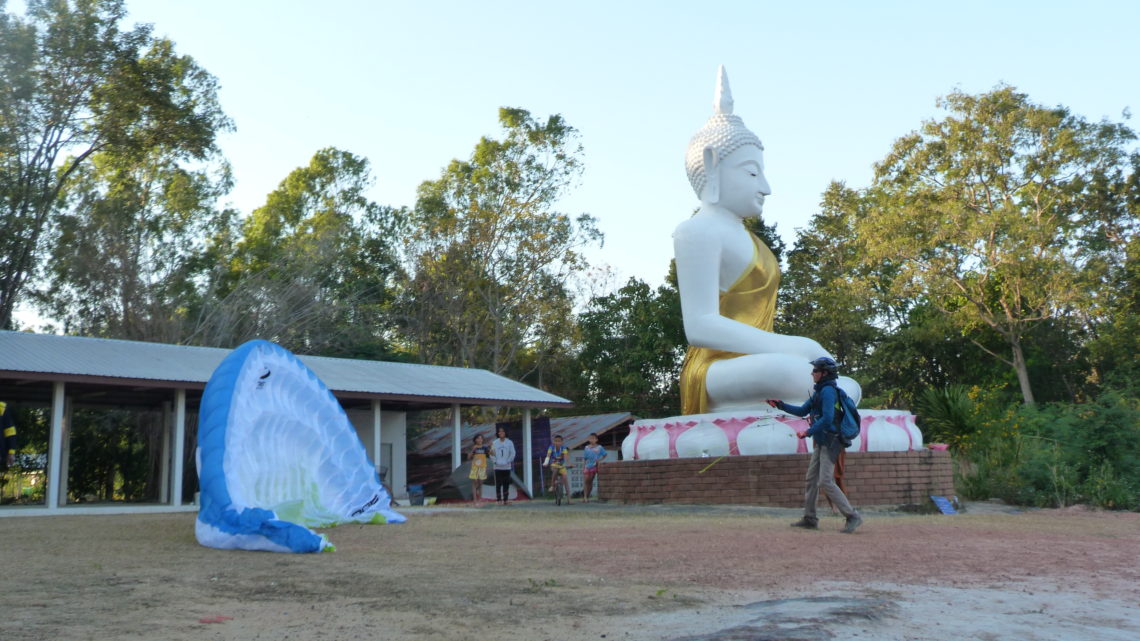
x,y
728,280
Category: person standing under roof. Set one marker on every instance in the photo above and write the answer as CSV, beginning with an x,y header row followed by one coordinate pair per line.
x,y
478,458
503,457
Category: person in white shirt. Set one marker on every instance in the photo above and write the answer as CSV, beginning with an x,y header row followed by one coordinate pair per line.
x,y
503,456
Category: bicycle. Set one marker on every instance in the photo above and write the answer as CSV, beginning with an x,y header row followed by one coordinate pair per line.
x,y
556,480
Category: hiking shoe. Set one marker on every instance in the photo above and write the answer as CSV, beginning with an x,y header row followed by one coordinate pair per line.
x,y
807,523
853,522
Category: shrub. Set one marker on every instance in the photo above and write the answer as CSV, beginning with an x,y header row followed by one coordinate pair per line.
x,y
947,415
1103,488
1056,455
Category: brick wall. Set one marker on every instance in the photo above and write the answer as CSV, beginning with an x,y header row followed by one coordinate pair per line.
x,y
872,478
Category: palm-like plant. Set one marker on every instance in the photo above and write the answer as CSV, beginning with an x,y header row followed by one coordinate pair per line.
x,y
947,415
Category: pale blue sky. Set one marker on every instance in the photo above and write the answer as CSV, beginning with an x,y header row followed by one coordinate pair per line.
x,y
828,86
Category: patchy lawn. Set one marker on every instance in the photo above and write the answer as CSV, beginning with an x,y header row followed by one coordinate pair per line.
x,y
534,571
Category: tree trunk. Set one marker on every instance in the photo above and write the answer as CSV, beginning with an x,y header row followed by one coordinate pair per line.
x,y
1020,368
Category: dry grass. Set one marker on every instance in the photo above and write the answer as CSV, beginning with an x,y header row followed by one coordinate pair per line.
x,y
144,577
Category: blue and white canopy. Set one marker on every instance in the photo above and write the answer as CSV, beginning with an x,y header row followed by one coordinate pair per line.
x,y
277,455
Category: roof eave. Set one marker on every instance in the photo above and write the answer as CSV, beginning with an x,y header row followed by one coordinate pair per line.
x,y
348,394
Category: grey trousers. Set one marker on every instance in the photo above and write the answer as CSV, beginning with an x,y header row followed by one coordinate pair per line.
x,y
821,476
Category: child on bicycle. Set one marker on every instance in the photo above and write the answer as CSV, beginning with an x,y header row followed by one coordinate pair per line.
x,y
556,458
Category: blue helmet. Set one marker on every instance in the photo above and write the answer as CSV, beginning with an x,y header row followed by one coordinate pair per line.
x,y
826,363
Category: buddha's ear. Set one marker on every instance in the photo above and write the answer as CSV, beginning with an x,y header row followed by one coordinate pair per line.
x,y
711,192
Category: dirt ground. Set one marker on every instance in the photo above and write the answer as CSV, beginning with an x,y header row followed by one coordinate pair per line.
x,y
533,571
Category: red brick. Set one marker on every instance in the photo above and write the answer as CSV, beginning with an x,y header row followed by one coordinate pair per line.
x,y
872,478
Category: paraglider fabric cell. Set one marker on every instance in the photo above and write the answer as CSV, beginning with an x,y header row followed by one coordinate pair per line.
x,y
277,455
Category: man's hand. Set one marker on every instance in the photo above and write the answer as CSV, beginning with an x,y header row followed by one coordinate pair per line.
x,y
773,403
801,434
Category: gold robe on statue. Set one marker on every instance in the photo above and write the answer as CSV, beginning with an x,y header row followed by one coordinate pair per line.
x,y
750,300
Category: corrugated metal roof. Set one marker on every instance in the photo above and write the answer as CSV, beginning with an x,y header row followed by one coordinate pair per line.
x,y
74,356
574,430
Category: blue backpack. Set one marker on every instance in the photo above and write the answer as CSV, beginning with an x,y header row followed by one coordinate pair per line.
x,y
847,418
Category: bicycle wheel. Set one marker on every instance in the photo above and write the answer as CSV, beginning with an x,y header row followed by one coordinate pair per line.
x,y
558,492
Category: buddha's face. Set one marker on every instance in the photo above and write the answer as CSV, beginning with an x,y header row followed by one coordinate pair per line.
x,y
742,183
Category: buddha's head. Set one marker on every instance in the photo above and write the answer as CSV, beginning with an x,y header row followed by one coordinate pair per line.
x,y
724,155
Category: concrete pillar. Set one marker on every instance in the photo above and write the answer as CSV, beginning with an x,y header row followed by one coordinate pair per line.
x,y
456,444
377,451
65,448
55,449
528,459
179,447
165,462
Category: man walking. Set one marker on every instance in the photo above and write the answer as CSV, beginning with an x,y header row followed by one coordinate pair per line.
x,y
824,431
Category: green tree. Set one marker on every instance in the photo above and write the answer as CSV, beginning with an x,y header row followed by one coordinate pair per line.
x,y
490,259
991,215
1116,341
129,246
925,350
633,343
767,234
825,291
115,455
313,269
73,84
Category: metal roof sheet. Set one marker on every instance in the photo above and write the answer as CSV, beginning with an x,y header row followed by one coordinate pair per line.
x,y
63,356
574,430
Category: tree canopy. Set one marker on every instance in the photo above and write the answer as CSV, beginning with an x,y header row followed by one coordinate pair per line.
x,y
994,256
820,295
1003,215
73,84
1001,228
489,257
633,343
128,245
313,269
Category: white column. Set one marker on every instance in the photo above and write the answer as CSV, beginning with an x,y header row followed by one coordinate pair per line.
x,y
65,448
165,474
56,447
456,445
377,451
179,448
528,461
396,425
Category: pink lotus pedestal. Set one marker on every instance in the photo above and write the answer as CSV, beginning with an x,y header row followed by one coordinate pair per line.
x,y
753,432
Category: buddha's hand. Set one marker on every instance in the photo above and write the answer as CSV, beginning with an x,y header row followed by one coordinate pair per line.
x,y
806,347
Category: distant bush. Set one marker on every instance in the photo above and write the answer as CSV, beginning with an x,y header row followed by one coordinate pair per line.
x,y
1056,455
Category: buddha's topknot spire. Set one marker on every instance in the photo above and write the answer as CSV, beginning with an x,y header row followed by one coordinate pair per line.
x,y
724,133
722,102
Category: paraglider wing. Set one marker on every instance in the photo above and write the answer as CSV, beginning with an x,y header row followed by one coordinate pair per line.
x,y
277,455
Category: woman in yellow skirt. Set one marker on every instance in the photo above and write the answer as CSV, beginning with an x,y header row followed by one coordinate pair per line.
x,y
478,458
